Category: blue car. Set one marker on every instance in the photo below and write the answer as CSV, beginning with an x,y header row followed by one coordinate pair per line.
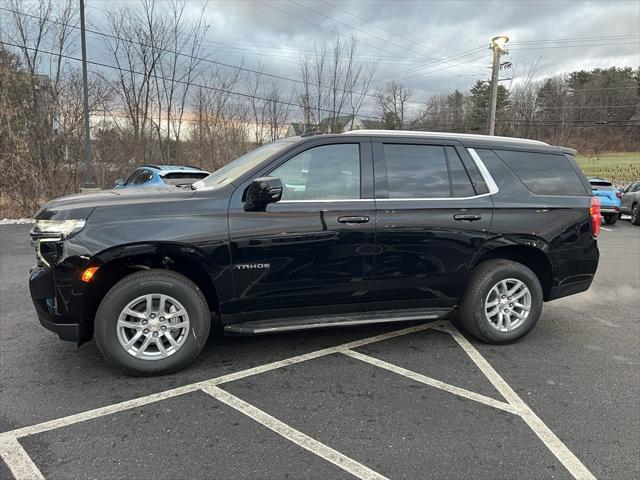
x,y
609,196
162,175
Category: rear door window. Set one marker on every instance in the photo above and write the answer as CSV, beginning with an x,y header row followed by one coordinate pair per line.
x,y
416,171
460,182
544,173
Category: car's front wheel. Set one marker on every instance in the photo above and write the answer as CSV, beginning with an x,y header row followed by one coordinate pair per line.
x,y
502,302
152,322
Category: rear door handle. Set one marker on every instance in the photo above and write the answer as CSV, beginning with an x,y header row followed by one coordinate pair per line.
x,y
353,219
467,218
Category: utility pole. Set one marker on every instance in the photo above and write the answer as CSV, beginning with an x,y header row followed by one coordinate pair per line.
x,y
89,182
496,45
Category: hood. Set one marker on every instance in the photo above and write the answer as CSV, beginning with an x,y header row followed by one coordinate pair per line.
x,y
82,204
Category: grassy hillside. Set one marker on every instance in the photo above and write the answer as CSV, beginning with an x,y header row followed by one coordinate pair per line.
x,y
619,167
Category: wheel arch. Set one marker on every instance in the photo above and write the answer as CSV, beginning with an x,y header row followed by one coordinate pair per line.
x,y
118,262
533,257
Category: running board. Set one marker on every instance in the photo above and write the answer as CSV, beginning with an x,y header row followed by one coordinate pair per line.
x,y
342,320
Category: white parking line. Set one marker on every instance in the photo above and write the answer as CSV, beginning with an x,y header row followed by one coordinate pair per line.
x,y
461,392
23,467
18,460
552,442
293,435
607,229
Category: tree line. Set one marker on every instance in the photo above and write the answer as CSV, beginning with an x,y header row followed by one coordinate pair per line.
x,y
157,97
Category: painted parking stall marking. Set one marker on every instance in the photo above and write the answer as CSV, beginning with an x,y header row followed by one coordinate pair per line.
x,y
23,467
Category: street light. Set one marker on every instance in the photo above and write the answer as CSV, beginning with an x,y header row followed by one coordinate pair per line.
x,y
497,44
499,41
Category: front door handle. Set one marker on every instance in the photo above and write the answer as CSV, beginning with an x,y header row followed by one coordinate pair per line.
x,y
467,218
353,219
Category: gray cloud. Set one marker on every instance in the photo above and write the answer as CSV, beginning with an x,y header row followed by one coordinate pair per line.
x,y
414,33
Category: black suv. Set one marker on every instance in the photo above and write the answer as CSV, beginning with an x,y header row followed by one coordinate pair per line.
x,y
326,230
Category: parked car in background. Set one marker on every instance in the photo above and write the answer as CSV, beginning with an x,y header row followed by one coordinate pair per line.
x,y
161,175
609,199
630,202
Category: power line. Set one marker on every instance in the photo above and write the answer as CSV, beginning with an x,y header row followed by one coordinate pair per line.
x,y
198,58
334,32
351,26
576,39
574,46
430,65
193,84
413,42
363,31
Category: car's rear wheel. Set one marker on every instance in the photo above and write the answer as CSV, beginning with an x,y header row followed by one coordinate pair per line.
x,y
502,302
635,214
611,219
152,322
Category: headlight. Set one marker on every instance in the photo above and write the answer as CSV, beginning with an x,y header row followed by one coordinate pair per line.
x,y
56,228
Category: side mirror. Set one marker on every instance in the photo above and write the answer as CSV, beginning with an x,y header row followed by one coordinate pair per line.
x,y
118,183
261,192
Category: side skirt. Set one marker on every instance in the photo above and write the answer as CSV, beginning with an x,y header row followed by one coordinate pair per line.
x,y
336,320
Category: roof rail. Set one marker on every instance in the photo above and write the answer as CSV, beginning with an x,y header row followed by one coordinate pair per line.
x,y
417,133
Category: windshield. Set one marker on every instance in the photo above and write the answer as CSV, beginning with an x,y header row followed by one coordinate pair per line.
x,y
243,164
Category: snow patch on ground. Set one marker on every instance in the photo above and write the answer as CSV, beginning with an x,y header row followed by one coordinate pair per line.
x,y
16,221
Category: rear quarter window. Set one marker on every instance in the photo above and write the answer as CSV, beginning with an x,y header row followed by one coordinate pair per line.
x,y
544,173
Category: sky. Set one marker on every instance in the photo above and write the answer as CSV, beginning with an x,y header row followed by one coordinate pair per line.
x,y
413,41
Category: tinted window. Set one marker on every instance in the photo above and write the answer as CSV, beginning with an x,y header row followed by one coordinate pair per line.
x,y
416,171
460,181
132,178
477,180
328,172
183,178
601,185
544,173
143,177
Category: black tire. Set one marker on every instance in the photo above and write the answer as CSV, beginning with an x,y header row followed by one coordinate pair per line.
x,y
635,214
152,282
472,306
611,219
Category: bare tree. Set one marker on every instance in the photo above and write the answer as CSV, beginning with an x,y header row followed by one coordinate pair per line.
x,y
392,100
42,33
334,84
136,42
269,106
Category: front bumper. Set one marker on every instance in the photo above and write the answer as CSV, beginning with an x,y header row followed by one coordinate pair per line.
x,y
55,310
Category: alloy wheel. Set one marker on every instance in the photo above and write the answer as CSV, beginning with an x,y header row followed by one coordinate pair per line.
x,y
153,326
507,305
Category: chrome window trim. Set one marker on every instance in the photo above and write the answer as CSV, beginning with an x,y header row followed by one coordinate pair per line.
x,y
412,199
484,172
330,200
488,179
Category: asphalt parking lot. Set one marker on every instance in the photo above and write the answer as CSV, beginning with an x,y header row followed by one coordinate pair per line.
x,y
410,401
